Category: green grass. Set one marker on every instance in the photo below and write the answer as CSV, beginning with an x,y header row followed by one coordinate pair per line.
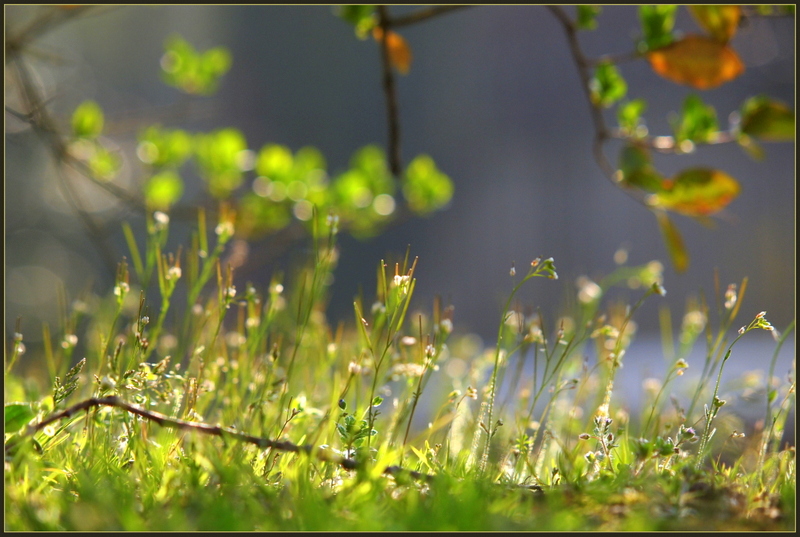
x,y
320,424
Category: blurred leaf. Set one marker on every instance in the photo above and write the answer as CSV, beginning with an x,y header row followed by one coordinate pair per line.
x,y
194,73
697,192
257,215
104,163
275,162
750,146
162,190
698,122
673,241
425,188
697,61
719,21
629,115
607,86
657,24
587,17
163,147
87,120
767,120
637,170
361,17
358,193
218,156
17,415
399,51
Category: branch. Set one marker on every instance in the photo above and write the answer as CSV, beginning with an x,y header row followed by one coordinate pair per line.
x,y
391,94
422,15
213,430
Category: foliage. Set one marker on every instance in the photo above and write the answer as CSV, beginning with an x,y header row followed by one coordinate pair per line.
x,y
247,409
128,441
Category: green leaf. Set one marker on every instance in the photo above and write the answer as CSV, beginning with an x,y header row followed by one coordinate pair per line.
x,y
275,162
17,415
218,158
104,163
673,241
637,170
657,24
767,119
162,190
357,193
87,120
587,17
164,147
257,215
361,17
629,115
191,72
698,122
607,86
377,401
697,192
425,188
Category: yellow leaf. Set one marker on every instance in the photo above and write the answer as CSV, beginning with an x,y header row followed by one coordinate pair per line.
x,y
719,21
399,51
673,241
697,61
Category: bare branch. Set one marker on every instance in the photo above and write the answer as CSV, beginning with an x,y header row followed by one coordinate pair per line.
x,y
213,430
422,15
390,91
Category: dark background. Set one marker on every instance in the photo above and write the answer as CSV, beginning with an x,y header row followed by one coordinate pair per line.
x,y
493,96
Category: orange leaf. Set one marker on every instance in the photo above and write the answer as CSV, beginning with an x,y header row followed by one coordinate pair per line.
x,y
697,192
697,61
719,21
399,51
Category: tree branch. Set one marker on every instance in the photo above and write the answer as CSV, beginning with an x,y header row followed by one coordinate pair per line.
x,y
212,430
390,91
422,15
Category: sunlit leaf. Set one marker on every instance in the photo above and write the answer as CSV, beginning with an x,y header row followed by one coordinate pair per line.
x,y
425,188
673,241
104,163
399,51
164,147
607,86
698,121
192,72
587,17
163,189
356,192
257,215
697,192
697,61
361,17
637,170
275,162
218,158
87,120
17,415
657,24
629,115
719,21
767,120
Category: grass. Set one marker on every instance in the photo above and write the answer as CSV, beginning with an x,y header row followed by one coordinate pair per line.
x,y
247,410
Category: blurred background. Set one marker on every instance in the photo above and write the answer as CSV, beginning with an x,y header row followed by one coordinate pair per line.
x,y
492,95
